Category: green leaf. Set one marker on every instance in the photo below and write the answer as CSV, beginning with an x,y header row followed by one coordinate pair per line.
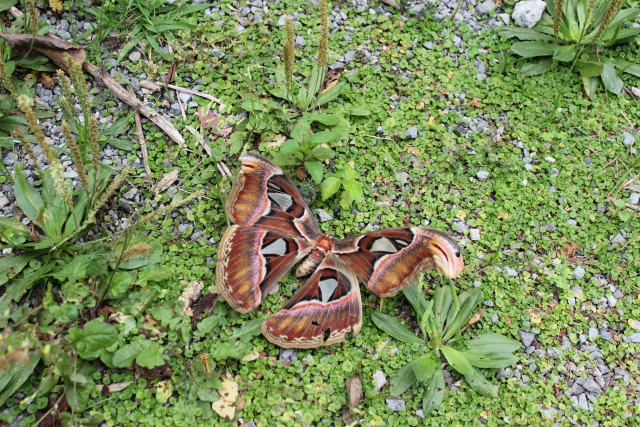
x,y
353,188
329,187
443,300
532,49
489,360
249,329
301,131
564,53
402,380
230,350
162,314
611,81
395,329
492,342
315,169
150,357
331,94
524,34
76,218
628,67
590,85
26,196
124,356
74,270
18,374
304,98
208,395
476,380
588,68
323,118
315,80
289,147
362,112
13,233
323,152
205,326
323,138
424,367
467,308
121,282
254,105
95,336
434,393
153,274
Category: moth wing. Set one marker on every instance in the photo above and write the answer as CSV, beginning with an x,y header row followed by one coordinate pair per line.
x,y
322,312
389,260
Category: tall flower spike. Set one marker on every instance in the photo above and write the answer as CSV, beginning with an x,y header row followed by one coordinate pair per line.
x,y
33,16
614,7
66,92
76,156
93,144
323,43
288,52
17,133
6,79
557,17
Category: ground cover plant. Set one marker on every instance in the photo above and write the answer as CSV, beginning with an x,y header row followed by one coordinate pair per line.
x,y
536,181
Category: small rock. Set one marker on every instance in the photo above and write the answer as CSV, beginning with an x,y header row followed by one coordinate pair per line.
x,y
550,227
349,56
578,273
634,338
528,13
420,413
324,216
511,272
288,355
395,404
618,238
576,388
131,193
554,173
593,334
3,201
428,45
239,29
634,198
182,228
504,373
300,41
592,386
402,177
185,97
527,337
9,159
629,139
474,234
412,132
495,318
572,222
135,56
482,175
601,209
611,300
175,110
486,7
70,174
380,380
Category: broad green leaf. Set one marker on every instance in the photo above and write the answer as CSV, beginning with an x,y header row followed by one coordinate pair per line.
x,y
524,34
611,81
326,119
588,68
532,49
323,152
479,383
441,306
315,169
223,351
10,266
457,360
18,374
95,336
26,196
289,147
121,282
424,367
494,360
13,232
329,187
402,379
590,85
315,80
434,393
353,188
330,94
75,219
416,299
628,67
564,53
395,329
205,326
303,99
162,314
301,131
249,329
323,138
492,342
77,396
359,112
74,270
150,357
207,395
124,356
467,309
153,274
253,105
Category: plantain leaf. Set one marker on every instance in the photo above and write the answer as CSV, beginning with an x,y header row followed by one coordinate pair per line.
x,y
26,196
424,367
611,81
434,393
532,49
402,379
394,328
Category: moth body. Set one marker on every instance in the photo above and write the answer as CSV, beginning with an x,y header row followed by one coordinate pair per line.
x,y
324,244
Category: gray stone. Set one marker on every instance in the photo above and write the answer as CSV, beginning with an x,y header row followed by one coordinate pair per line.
x,y
618,238
632,339
593,334
300,41
495,318
486,7
634,198
550,227
412,132
3,201
601,209
576,387
288,355
428,45
324,217
420,413
527,337
592,386
550,413
488,303
395,404
185,97
379,379
349,56
474,234
578,273
629,139
70,174
131,193
402,177
572,222
504,373
607,336
239,29
505,18
9,159
175,110
528,13
554,173
511,272
182,228
482,175
135,56
282,20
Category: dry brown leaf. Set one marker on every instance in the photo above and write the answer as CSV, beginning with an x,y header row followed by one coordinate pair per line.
x,y
112,388
411,150
354,391
152,321
474,319
166,181
52,48
46,80
569,249
330,79
474,102
190,295
150,85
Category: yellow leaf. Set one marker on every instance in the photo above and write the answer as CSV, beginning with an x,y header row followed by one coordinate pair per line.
x,y
330,85
225,409
431,121
229,390
461,215
535,317
56,5
164,390
503,216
